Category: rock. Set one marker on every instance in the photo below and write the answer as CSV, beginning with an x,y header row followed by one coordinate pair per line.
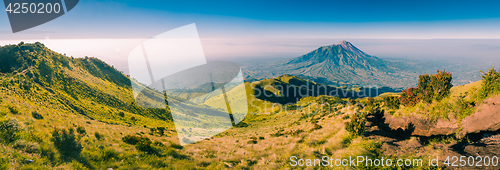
x,y
485,147
368,124
486,118
421,126
413,143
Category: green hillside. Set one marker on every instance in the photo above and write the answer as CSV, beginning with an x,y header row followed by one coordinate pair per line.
x,y
87,87
42,91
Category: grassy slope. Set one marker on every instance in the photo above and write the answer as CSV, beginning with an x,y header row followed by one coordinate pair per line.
x,y
71,92
279,136
458,90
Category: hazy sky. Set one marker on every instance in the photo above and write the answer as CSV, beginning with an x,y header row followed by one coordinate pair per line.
x,y
236,29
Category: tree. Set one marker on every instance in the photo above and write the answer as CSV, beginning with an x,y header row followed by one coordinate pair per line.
x,y
441,83
66,142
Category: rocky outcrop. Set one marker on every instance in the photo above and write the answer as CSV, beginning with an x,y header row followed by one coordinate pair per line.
x,y
486,147
484,122
421,126
486,119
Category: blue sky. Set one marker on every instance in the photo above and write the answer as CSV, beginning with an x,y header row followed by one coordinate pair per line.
x,y
293,19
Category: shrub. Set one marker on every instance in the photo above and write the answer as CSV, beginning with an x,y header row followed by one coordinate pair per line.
x,y
152,131
252,141
161,130
392,102
98,136
145,145
13,110
66,142
121,114
424,88
109,154
131,139
434,87
464,107
9,130
36,115
409,97
491,83
356,125
440,84
81,130
141,143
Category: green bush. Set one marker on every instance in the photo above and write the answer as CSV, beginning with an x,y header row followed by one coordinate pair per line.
x,y
98,136
81,130
392,102
66,141
36,115
440,84
9,130
252,141
491,83
141,143
356,125
131,139
464,107
424,88
145,145
13,110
